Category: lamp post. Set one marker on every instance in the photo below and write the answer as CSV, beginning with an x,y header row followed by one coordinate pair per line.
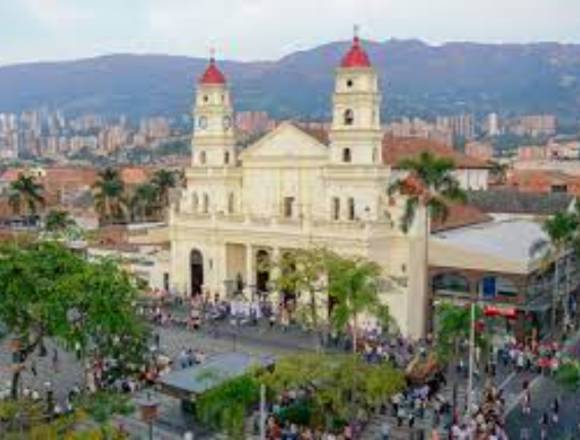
x,y
471,358
149,407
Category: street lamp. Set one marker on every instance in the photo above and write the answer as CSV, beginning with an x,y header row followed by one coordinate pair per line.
x,y
149,407
471,358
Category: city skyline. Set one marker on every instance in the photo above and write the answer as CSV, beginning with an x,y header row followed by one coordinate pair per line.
x,y
262,29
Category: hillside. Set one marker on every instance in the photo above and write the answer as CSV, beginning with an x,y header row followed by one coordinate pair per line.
x,y
418,79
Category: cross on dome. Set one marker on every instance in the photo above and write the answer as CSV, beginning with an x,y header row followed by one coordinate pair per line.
x,y
212,74
356,56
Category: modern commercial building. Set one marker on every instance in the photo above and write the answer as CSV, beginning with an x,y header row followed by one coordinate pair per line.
x,y
500,263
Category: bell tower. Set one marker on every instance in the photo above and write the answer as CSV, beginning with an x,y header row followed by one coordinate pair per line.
x,y
213,142
356,135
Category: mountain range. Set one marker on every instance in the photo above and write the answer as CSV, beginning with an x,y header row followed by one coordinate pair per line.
x,y
417,79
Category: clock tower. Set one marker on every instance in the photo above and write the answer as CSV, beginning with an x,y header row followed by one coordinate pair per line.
x,y
213,141
356,134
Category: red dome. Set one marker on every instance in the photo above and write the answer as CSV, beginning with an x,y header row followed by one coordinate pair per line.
x,y
212,74
356,56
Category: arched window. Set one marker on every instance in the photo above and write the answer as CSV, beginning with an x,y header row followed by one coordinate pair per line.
x,y
346,155
351,209
205,207
202,157
227,157
195,202
231,206
349,83
348,117
335,208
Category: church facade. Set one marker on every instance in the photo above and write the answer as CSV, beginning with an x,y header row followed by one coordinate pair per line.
x,y
295,188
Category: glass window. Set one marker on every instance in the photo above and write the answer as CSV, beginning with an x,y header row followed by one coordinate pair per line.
x,y
346,155
348,117
351,209
205,203
288,207
335,208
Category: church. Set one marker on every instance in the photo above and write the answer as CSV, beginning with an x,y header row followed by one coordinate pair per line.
x,y
296,188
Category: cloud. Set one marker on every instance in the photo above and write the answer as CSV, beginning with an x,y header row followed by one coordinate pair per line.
x,y
57,15
266,29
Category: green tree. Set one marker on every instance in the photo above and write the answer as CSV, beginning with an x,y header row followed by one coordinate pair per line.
x,y
302,271
144,203
47,291
25,196
562,232
339,384
225,407
109,194
164,181
353,285
568,375
58,221
453,327
499,172
429,186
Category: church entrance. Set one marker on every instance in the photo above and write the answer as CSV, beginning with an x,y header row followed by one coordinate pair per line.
x,y
262,272
196,265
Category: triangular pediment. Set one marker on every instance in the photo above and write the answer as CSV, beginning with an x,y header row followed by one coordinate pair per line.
x,y
286,141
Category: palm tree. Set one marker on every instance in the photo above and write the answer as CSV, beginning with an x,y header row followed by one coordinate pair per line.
x,y
25,195
144,202
58,221
431,186
164,180
562,232
499,172
352,284
109,196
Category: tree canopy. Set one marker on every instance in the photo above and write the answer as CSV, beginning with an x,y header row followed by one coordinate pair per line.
x,y
47,291
429,184
336,384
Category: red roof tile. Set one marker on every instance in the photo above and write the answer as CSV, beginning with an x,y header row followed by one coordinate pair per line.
x,y
212,74
460,215
356,56
396,149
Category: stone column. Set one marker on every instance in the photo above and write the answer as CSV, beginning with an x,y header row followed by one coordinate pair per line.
x,y
250,271
274,273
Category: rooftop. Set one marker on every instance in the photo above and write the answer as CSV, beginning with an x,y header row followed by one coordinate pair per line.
x,y
397,148
506,238
214,371
515,202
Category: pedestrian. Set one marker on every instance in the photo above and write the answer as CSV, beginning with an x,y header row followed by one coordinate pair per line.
x,y
556,411
527,406
385,430
411,419
544,422
55,359
400,416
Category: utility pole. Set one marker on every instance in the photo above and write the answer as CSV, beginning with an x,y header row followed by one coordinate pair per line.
x,y
262,412
471,359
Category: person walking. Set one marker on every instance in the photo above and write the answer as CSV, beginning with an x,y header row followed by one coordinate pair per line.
x,y
544,422
400,416
385,430
556,411
55,360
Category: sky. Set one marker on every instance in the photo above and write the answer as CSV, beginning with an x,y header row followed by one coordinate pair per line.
x,y
42,30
